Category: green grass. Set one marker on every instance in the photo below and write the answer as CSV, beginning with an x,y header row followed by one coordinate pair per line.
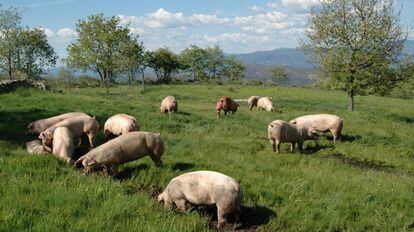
x,y
365,182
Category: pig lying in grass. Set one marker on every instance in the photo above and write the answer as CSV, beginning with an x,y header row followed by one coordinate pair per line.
x,y
280,131
78,126
125,148
120,124
41,125
265,103
36,147
252,101
205,188
323,123
227,105
63,144
168,105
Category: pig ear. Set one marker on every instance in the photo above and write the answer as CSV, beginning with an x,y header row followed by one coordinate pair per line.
x,y
30,126
271,97
271,125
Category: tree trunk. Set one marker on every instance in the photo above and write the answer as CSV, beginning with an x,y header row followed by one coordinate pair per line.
x,y
143,80
131,82
10,65
351,94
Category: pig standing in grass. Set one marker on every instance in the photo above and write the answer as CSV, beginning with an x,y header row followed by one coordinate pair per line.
x,y
265,103
205,188
227,105
78,126
120,124
63,144
36,147
169,104
125,148
323,123
252,101
280,131
41,125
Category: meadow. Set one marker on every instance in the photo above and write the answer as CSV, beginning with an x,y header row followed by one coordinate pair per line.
x,y
365,182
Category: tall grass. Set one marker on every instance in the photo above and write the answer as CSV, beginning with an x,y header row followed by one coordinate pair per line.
x,y
364,182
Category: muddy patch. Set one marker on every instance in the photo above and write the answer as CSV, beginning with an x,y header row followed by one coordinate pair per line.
x,y
363,163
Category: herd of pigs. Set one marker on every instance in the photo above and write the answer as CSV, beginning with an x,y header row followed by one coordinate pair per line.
x,y
60,135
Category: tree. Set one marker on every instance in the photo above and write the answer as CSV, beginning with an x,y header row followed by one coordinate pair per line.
x,y
9,25
215,61
279,73
34,52
132,58
99,47
164,63
355,43
194,60
66,75
233,69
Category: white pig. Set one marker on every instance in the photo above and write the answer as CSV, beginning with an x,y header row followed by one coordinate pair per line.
x,y
265,103
120,124
323,123
78,126
169,104
125,148
205,188
36,147
41,125
63,144
252,101
280,131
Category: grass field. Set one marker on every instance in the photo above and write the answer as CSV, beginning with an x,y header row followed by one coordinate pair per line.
x,y
363,183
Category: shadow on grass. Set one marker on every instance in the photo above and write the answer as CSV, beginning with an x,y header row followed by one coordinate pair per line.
x,y
129,172
309,150
182,166
362,163
183,113
349,138
401,118
251,217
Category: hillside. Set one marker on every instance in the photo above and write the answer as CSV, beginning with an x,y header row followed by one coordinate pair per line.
x,y
362,183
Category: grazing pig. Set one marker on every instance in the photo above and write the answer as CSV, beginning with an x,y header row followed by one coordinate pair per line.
x,y
323,123
169,104
265,103
36,147
120,124
252,101
63,144
205,188
125,148
280,131
78,126
227,105
41,125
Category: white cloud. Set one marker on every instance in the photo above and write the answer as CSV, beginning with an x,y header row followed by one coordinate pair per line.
x,y
410,35
49,33
66,34
257,9
300,5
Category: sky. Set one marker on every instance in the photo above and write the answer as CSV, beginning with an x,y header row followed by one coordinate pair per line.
x,y
238,26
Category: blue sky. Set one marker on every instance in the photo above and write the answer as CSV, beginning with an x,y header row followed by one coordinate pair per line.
x,y
239,26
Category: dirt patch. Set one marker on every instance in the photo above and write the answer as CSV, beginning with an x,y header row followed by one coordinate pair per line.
x,y
363,163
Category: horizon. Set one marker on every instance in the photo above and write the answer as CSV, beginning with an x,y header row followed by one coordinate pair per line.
x,y
238,27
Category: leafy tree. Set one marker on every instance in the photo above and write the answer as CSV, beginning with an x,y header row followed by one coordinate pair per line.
x,y
215,61
279,73
66,75
164,63
99,47
34,52
233,69
9,26
194,60
132,58
355,43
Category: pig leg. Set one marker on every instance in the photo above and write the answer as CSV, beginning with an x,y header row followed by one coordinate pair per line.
x,y
273,143
292,147
113,170
181,204
222,210
218,113
336,133
250,108
237,214
300,145
91,139
277,146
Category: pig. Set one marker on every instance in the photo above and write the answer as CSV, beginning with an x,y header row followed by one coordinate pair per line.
x,y
63,144
78,126
280,131
227,105
120,124
205,188
323,123
265,103
252,101
169,104
36,147
41,125
125,148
